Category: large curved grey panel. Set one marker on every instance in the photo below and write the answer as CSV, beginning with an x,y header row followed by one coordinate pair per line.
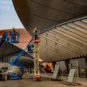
x,y
47,13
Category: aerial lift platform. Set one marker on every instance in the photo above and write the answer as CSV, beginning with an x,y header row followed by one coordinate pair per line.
x,y
14,64
36,55
14,37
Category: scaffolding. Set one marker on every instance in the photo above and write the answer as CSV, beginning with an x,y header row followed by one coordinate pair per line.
x,y
36,56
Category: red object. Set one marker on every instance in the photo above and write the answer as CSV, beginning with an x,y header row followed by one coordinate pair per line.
x,y
47,69
36,41
37,78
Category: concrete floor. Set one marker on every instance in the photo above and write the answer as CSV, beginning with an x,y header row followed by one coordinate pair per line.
x,y
28,82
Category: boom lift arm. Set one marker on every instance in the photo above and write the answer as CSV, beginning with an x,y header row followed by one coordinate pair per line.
x,y
4,37
19,74
14,62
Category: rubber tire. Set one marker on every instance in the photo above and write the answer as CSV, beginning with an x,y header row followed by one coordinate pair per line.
x,y
4,77
8,77
20,76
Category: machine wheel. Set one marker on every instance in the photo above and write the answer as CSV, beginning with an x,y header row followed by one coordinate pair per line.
x,y
8,77
4,77
20,76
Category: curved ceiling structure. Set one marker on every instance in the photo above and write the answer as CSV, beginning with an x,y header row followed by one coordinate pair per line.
x,y
60,40
65,41
47,13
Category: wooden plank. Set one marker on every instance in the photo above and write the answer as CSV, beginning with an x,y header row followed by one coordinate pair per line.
x,y
55,73
71,76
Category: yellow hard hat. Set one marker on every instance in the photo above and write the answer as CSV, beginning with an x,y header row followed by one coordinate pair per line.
x,y
13,28
35,28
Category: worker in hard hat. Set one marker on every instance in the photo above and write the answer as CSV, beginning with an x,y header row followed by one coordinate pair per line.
x,y
35,35
14,33
13,28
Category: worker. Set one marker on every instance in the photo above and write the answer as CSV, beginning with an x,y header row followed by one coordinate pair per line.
x,y
14,34
35,35
47,69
